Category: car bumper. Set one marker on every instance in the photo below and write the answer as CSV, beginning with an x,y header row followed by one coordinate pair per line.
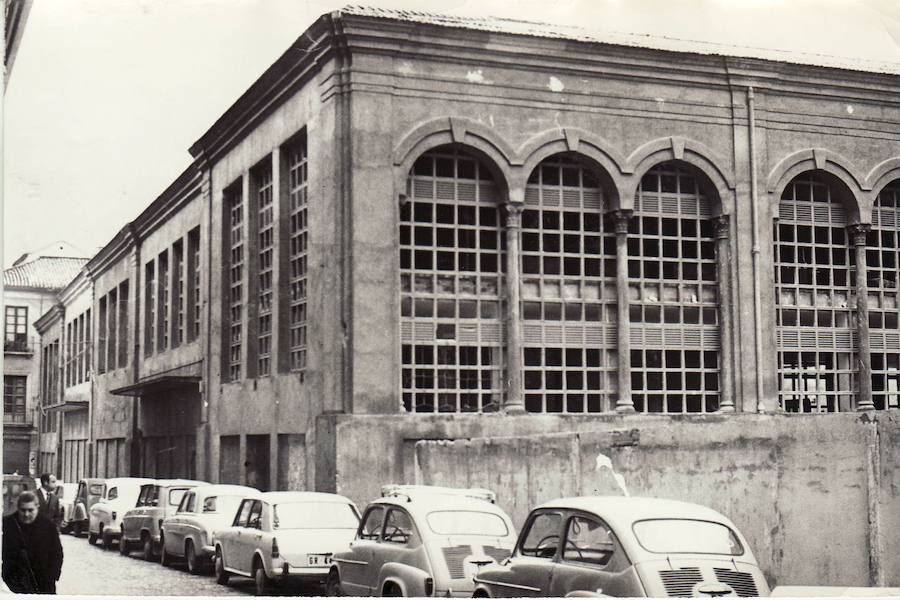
x,y
288,571
207,551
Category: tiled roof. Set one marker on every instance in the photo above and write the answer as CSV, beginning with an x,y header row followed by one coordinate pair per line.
x,y
570,32
47,272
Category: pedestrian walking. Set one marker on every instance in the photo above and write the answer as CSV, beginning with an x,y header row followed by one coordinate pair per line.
x,y
49,501
32,554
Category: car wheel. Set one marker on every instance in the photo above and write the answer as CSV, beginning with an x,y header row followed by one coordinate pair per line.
x,y
190,556
391,590
147,547
92,538
333,585
105,539
164,558
78,528
263,582
124,548
221,574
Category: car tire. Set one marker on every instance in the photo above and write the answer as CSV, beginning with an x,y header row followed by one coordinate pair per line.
x,y
221,574
92,538
147,547
191,558
391,590
263,582
105,539
333,585
78,528
124,546
164,558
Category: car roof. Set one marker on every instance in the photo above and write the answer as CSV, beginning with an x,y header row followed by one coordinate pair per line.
x,y
423,502
625,510
125,480
214,489
176,482
276,497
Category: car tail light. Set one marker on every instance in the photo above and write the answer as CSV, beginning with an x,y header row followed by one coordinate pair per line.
x,y
429,586
275,553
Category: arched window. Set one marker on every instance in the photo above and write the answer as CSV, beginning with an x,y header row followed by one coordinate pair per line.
x,y
883,277
452,260
673,295
568,291
815,276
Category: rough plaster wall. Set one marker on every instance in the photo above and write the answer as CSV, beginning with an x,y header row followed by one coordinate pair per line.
x,y
889,445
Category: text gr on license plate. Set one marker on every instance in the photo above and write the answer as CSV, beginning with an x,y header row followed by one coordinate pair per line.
x,y
318,559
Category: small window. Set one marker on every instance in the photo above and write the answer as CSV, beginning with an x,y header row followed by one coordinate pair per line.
x,y
175,496
398,527
371,525
588,541
188,502
209,504
542,539
113,493
254,521
243,514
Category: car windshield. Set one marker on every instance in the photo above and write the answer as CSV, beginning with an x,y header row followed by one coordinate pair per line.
x,y
314,515
685,536
466,522
221,504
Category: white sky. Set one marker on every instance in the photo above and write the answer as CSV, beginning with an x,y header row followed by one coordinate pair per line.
x,y
106,96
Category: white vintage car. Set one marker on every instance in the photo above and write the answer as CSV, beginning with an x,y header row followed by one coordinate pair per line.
x,y
119,495
423,541
280,536
203,510
66,493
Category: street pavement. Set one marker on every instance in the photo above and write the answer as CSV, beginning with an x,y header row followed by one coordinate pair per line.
x,y
92,570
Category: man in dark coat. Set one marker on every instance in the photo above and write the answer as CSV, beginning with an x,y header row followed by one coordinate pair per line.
x,y
48,500
32,554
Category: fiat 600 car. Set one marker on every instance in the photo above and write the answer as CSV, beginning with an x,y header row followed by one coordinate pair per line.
x,y
203,510
422,541
281,536
120,495
621,546
156,501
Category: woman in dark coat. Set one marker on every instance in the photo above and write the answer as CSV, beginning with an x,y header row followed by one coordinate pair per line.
x,y
32,553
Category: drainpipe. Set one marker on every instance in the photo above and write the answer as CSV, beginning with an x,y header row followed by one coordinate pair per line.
x,y
205,392
134,469
754,210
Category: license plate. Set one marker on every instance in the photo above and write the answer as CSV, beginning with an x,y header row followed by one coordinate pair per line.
x,y
315,560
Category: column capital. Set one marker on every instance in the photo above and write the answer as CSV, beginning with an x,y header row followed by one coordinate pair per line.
x,y
513,214
858,232
722,223
620,217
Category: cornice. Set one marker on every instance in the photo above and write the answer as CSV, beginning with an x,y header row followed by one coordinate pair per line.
x,y
179,193
53,315
81,283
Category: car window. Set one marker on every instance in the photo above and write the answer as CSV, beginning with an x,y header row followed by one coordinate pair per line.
x,y
371,525
314,515
142,497
677,536
466,522
153,495
175,495
240,519
398,527
542,538
96,489
187,503
255,518
112,494
588,541
221,504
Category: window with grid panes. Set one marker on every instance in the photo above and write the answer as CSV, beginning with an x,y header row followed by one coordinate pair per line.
x,y
16,329
883,276
101,356
673,295
452,251
149,306
111,330
88,345
235,218
123,324
299,240
177,293
69,355
266,249
14,399
79,349
162,302
815,276
568,291
194,279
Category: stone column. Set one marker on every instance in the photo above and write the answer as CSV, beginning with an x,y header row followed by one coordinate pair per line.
x,y
514,397
723,276
858,233
624,402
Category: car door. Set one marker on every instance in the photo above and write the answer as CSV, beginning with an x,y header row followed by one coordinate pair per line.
x,y
249,536
355,578
176,525
530,568
399,542
131,522
230,538
591,560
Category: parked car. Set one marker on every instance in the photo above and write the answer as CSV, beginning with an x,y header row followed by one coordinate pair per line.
x,y
280,536
89,492
13,485
621,546
422,541
156,501
66,492
120,495
189,532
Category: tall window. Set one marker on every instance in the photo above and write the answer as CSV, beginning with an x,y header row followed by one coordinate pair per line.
x,y
193,275
452,251
162,302
266,251
149,307
673,295
299,241
88,345
103,336
112,333
234,204
123,324
14,399
568,291
79,349
16,329
177,293
815,275
69,358
883,276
